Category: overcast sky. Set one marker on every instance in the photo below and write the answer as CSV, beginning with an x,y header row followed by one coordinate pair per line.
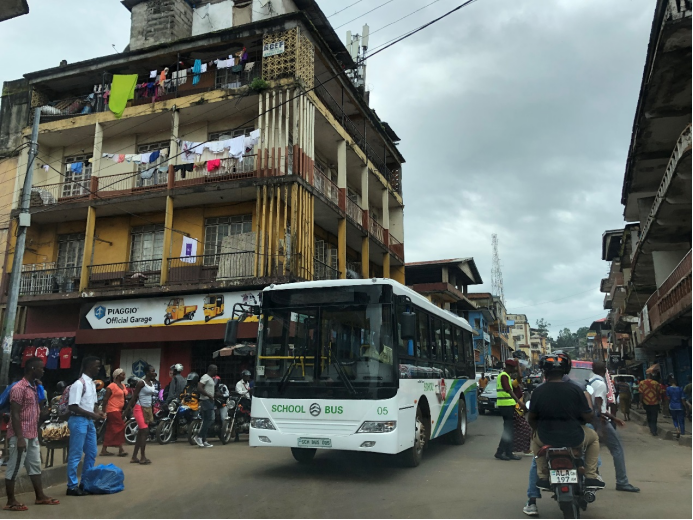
x,y
515,118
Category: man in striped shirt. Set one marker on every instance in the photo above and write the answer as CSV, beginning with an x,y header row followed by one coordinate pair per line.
x,y
23,435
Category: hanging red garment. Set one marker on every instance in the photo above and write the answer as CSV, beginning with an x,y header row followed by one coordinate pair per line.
x,y
213,164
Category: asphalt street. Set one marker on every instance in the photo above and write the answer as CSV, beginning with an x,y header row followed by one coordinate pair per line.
x,y
236,481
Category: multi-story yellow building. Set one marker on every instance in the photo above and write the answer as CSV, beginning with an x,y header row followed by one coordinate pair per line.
x,y
141,258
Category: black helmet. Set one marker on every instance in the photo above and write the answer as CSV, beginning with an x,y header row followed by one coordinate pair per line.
x,y
193,378
556,361
60,387
132,381
246,373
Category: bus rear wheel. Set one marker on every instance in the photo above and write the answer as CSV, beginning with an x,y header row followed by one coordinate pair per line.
x,y
304,455
459,435
411,458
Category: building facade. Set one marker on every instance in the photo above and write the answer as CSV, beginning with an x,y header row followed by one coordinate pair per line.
x,y
245,156
648,288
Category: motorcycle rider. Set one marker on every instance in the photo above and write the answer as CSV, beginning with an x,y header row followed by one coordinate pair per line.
x,y
175,389
243,388
555,414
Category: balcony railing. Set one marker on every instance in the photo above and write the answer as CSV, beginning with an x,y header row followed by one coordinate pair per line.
x,y
230,169
211,268
673,296
354,211
326,186
49,280
323,271
143,273
396,247
355,268
377,231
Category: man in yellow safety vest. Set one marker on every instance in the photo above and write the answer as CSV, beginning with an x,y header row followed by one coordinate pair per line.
x,y
506,406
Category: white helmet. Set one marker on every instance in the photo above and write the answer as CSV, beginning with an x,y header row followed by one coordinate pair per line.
x,y
177,367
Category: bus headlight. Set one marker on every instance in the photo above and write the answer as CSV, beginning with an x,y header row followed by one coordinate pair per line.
x,y
261,423
377,427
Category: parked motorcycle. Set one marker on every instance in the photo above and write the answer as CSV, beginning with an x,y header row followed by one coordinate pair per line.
x,y
221,427
567,480
239,415
131,428
179,415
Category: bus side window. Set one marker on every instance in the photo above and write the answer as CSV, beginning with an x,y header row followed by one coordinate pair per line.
x,y
448,344
437,340
422,345
468,347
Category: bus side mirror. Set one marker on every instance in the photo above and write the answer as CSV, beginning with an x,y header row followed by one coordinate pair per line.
x,y
408,325
231,333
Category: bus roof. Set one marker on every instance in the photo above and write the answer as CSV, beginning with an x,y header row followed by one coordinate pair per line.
x,y
397,288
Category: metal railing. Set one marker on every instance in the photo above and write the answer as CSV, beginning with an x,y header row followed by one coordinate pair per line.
x,y
323,271
376,230
673,296
354,211
211,268
326,186
229,169
396,246
143,273
34,282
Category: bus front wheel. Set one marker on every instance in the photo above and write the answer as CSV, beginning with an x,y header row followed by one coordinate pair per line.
x,y
412,457
459,435
304,455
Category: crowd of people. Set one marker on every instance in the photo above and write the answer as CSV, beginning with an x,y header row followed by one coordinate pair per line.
x,y
87,401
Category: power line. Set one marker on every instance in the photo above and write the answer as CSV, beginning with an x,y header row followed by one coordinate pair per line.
x,y
364,14
405,16
347,7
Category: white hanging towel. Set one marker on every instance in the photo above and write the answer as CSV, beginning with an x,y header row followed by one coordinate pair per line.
x,y
215,146
251,140
237,148
189,250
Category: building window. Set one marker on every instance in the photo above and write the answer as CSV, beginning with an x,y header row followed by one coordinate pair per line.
x,y
146,248
326,263
158,177
77,184
217,229
70,250
477,323
230,134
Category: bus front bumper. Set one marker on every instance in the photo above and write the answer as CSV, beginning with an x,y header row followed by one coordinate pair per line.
x,y
375,442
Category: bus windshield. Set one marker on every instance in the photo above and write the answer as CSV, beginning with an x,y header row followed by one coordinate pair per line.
x,y
339,345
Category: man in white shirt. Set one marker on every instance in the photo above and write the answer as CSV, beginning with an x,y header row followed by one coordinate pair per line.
x,y
243,386
607,432
83,413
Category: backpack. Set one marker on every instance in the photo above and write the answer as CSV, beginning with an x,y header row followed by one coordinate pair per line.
x,y
5,398
64,403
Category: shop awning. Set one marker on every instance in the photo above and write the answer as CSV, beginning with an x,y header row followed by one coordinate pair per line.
x,y
242,349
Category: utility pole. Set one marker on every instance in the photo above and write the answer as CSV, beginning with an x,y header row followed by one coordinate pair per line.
x,y
24,220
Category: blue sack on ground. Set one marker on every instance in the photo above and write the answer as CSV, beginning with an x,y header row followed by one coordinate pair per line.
x,y
104,480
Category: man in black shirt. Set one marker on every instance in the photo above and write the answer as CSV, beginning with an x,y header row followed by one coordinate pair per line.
x,y
557,414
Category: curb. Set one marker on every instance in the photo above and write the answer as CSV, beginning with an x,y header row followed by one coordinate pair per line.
x,y
49,477
666,431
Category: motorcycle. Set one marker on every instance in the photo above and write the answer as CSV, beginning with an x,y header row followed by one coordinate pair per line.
x,y
179,415
239,416
131,428
221,427
567,480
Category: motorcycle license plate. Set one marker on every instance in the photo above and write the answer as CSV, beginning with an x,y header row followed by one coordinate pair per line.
x,y
563,476
305,442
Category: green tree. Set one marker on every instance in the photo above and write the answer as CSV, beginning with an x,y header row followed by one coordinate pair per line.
x,y
566,340
543,326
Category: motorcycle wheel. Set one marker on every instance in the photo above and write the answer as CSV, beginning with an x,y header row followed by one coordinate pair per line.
x,y
194,430
164,432
131,430
226,431
570,509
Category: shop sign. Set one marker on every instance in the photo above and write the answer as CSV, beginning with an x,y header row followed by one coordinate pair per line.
x,y
139,367
189,309
272,49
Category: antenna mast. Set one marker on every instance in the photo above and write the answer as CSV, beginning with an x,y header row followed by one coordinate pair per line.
x,y
496,273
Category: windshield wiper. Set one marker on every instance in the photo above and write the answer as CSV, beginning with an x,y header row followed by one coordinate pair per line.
x,y
342,374
285,378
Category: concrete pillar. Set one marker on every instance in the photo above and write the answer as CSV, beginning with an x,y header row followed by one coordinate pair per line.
x,y
365,257
98,148
342,164
665,262
644,207
341,184
341,247
364,188
386,265
168,231
445,275
386,209
88,248
175,128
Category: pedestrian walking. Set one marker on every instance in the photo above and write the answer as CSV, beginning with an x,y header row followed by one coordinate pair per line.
x,y
687,400
607,433
141,404
676,407
206,389
625,397
22,432
84,411
506,402
482,383
113,404
636,394
665,399
650,396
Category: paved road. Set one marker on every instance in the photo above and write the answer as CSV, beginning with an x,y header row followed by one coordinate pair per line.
x,y
236,481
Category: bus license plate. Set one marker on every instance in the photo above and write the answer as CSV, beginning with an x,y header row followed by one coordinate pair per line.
x,y
305,442
563,476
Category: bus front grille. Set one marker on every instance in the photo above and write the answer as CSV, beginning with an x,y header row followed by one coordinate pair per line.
x,y
317,427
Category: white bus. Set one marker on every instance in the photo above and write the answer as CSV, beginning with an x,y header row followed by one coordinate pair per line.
x,y
360,365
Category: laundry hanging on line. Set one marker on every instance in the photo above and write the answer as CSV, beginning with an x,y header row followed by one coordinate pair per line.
x,y
75,167
122,90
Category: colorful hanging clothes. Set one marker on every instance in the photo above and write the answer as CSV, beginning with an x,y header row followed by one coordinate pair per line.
x,y
237,148
122,90
76,167
251,140
197,69
154,156
213,164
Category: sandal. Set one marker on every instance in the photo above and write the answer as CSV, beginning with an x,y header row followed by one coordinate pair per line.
x,y
124,454
15,507
48,502
107,454
134,461
144,462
